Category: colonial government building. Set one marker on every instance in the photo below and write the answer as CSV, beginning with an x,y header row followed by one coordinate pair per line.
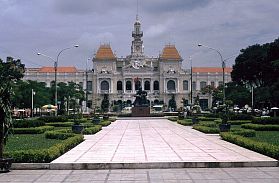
x,y
162,77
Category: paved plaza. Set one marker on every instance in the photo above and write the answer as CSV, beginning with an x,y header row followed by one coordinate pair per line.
x,y
186,175
156,143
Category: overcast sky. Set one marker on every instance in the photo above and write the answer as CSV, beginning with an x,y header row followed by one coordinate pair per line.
x,y
47,26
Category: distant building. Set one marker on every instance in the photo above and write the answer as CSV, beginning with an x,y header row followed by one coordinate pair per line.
x,y
161,77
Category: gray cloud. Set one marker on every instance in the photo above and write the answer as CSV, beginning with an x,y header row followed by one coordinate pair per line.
x,y
49,26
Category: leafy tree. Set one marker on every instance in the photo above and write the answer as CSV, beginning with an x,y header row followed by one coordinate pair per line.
x,y
238,94
105,103
258,66
23,89
10,72
172,103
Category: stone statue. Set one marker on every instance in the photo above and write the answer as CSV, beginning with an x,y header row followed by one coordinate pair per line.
x,y
140,98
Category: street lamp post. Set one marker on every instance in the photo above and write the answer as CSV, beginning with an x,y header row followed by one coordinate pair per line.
x,y
55,70
223,67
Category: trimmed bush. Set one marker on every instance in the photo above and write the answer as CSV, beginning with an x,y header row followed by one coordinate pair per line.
x,y
27,123
92,130
244,132
239,122
54,119
206,129
105,123
240,117
266,120
59,134
84,120
125,115
33,130
259,127
45,155
208,124
207,119
112,119
184,122
173,118
260,147
60,124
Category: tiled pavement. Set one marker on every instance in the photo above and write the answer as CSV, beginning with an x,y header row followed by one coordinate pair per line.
x,y
155,140
187,175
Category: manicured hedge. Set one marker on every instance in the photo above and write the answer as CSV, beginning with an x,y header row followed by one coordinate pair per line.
x,y
173,118
239,122
45,155
274,120
60,124
244,132
185,122
27,123
105,123
112,119
92,130
54,119
241,117
84,120
33,130
208,124
59,134
261,147
207,119
206,129
259,127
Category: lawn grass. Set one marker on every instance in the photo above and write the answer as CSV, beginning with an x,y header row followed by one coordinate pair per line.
x,y
29,141
271,137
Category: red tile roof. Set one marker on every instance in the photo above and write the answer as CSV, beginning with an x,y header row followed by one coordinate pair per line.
x,y
210,69
105,53
170,52
59,69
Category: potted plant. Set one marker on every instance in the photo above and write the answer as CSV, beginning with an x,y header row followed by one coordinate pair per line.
x,y
77,127
10,72
225,126
96,119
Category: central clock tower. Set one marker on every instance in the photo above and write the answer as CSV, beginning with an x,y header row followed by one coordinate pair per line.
x,y
137,44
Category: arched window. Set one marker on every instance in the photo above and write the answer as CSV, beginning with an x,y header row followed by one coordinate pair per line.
x,y
156,85
128,85
171,85
185,85
220,83
212,84
137,85
146,85
104,85
202,84
156,102
119,86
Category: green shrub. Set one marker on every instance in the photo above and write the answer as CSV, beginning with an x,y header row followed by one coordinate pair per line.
x,y
27,123
184,122
58,135
244,132
54,118
259,127
105,123
274,120
112,119
75,116
207,119
239,122
173,118
208,124
33,130
84,120
45,155
261,147
206,129
211,115
125,115
92,130
240,117
60,124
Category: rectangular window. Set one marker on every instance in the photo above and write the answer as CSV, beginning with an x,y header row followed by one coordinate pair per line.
x,y
89,86
185,85
194,85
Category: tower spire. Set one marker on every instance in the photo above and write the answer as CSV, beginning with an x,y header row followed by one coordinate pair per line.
x,y
137,16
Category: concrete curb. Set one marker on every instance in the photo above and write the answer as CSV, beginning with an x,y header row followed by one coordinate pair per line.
x,y
155,165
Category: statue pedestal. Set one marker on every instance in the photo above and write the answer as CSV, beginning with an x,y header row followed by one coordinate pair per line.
x,y
141,111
